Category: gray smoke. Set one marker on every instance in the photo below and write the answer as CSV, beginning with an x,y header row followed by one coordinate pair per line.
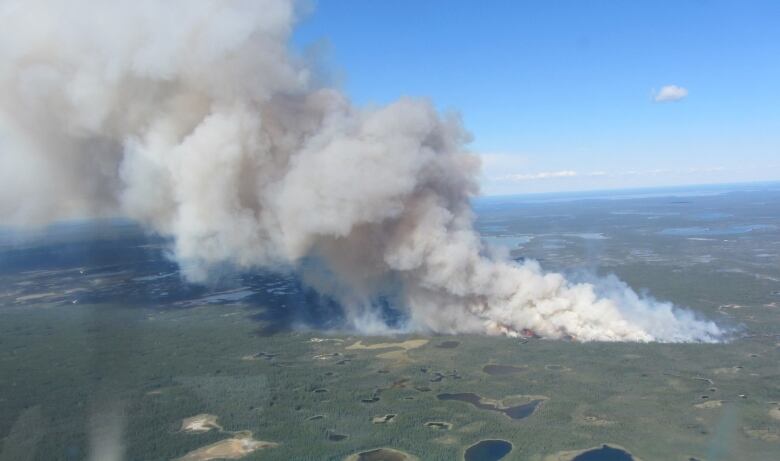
x,y
194,118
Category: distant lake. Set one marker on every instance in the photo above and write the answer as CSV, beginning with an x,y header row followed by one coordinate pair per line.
x,y
498,201
605,453
704,231
711,216
521,411
588,235
488,450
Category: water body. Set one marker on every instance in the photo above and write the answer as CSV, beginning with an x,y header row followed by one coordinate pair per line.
x,y
488,450
710,216
650,214
448,345
226,297
605,453
516,412
522,411
588,235
336,437
704,231
265,355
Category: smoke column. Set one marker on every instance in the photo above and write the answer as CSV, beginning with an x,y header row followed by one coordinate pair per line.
x,y
194,118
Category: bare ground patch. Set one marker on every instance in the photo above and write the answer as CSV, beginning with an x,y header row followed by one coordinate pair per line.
x,y
200,423
766,435
709,404
383,419
232,448
405,345
439,425
400,354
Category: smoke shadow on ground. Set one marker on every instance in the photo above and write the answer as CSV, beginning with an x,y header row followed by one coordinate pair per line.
x,y
302,307
115,262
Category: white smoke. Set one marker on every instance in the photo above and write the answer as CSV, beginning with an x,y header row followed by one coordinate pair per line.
x,y
194,118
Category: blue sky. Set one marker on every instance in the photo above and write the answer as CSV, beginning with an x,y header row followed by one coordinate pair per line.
x,y
559,95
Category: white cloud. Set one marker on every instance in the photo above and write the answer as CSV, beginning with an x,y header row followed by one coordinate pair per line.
x,y
541,175
562,174
546,175
670,93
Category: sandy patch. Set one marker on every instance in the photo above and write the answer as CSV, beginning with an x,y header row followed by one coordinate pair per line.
x,y
259,355
556,367
709,404
590,420
730,306
439,425
446,440
511,400
233,448
405,345
327,356
399,355
384,419
763,434
34,297
727,371
774,413
200,423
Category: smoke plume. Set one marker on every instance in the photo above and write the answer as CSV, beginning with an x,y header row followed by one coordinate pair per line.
x,y
194,118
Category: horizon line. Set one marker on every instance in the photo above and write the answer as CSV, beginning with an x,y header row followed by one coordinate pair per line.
x,y
631,189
